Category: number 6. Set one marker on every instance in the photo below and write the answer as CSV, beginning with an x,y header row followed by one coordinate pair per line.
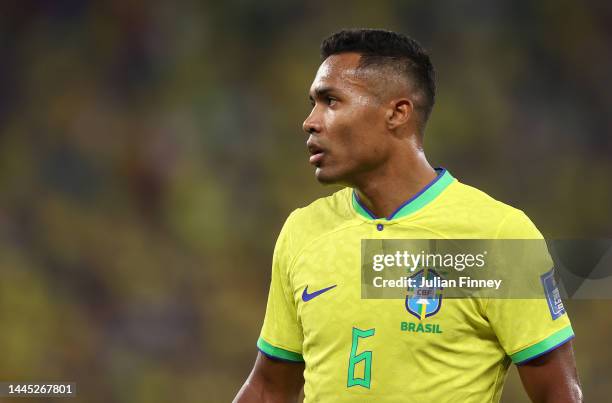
x,y
355,359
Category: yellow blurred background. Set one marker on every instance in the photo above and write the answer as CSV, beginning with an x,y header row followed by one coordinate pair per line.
x,y
150,152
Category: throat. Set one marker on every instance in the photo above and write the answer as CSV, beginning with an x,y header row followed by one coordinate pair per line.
x,y
385,199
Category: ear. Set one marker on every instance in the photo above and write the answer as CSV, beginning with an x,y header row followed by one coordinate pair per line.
x,y
400,112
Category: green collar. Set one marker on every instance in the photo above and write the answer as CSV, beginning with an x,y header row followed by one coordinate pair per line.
x,y
416,202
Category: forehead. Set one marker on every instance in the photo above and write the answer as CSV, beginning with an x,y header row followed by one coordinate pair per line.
x,y
340,71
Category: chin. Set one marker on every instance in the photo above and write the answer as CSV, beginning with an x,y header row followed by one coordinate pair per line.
x,y
325,177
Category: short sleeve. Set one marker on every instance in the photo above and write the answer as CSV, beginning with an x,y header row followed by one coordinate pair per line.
x,y
281,335
529,328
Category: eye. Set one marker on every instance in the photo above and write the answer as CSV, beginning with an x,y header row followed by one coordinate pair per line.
x,y
330,100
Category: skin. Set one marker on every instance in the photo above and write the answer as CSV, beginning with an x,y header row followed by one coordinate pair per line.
x,y
552,377
272,381
367,132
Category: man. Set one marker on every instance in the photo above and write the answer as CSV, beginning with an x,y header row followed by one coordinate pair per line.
x,y
371,98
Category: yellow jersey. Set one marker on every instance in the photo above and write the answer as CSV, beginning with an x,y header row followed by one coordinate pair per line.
x,y
376,350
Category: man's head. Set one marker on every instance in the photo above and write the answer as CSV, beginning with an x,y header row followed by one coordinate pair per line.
x,y
373,92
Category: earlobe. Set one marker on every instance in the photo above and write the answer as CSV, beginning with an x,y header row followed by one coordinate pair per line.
x,y
400,113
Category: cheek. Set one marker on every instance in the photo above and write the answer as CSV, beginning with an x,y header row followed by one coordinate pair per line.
x,y
356,123
367,131
356,132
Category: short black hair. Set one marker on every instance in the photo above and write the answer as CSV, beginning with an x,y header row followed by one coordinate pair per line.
x,y
379,47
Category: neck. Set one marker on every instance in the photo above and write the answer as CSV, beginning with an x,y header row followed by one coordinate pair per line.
x,y
384,191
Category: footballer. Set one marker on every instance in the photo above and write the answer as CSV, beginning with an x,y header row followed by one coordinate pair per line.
x,y
371,99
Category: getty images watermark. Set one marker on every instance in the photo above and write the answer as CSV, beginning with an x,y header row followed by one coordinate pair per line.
x,y
486,268
406,261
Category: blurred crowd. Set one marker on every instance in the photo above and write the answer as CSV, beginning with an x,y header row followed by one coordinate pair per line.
x,y
150,151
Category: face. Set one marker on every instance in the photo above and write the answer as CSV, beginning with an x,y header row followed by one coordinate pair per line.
x,y
347,132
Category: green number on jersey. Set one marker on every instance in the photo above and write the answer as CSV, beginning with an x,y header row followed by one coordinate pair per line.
x,y
355,358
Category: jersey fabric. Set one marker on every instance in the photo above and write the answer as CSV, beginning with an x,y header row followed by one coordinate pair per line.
x,y
369,350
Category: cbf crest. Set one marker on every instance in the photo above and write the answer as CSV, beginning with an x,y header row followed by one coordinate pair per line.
x,y
424,296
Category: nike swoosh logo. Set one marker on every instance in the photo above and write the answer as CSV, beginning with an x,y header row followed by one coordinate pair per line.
x,y
307,297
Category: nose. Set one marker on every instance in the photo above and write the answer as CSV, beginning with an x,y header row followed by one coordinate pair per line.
x,y
312,123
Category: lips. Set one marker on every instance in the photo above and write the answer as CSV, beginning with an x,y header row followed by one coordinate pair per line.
x,y
316,152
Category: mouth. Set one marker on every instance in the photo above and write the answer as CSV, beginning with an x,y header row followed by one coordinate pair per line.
x,y
316,153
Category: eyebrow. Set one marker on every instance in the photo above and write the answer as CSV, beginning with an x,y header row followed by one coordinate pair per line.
x,y
320,92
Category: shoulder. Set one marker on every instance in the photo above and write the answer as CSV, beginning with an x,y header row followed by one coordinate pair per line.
x,y
474,207
322,216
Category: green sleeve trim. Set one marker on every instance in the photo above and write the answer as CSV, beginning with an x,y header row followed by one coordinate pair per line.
x,y
550,343
276,352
